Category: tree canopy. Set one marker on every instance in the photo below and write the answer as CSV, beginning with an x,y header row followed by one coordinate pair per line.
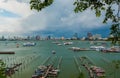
x,y
108,6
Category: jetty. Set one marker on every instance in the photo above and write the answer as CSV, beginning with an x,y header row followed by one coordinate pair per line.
x,y
46,60
59,63
11,70
91,74
7,52
46,73
44,70
76,61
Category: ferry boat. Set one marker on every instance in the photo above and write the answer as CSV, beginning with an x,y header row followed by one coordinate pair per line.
x,y
29,44
97,48
79,49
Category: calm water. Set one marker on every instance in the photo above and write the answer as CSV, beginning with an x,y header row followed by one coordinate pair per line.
x,y
32,57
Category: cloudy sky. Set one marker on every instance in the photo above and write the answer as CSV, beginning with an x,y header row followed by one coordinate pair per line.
x,y
59,19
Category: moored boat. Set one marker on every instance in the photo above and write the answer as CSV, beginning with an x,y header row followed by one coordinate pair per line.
x,y
45,71
53,52
68,43
79,49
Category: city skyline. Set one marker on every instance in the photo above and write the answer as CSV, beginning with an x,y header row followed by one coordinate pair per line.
x,y
58,19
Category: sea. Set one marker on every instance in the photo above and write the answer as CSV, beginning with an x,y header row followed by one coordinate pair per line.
x,y
41,54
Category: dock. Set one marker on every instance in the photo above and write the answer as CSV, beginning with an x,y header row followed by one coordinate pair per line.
x,y
11,70
46,73
59,63
76,61
91,74
46,60
7,52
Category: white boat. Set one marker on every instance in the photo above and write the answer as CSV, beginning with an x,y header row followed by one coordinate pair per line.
x,y
29,44
53,52
59,44
68,43
97,48
112,49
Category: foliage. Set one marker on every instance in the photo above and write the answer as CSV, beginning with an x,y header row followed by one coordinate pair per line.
x,y
116,64
81,75
2,69
39,4
98,6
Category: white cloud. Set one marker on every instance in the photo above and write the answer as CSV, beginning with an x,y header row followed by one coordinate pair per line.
x,y
9,25
60,16
16,7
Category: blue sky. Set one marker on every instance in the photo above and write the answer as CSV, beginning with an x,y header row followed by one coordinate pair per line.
x,y
59,19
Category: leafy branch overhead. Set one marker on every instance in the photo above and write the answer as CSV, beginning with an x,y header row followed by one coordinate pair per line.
x,y
40,4
98,6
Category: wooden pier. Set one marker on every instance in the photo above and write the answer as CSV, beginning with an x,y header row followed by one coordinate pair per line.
x,y
7,52
11,70
46,60
46,73
91,74
59,63
50,70
86,65
76,61
90,61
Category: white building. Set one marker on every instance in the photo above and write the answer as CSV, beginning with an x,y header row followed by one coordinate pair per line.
x,y
97,36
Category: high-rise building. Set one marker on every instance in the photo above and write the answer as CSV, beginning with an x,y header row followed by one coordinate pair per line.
x,y
48,37
89,36
37,37
28,37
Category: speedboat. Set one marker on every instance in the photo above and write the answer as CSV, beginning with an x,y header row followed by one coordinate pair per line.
x,y
53,52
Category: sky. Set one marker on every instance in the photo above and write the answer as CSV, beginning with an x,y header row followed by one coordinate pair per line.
x,y
58,20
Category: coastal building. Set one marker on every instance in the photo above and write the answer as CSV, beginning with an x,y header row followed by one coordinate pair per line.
x,y
48,37
62,38
75,36
2,38
89,36
28,38
97,37
37,37
83,38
